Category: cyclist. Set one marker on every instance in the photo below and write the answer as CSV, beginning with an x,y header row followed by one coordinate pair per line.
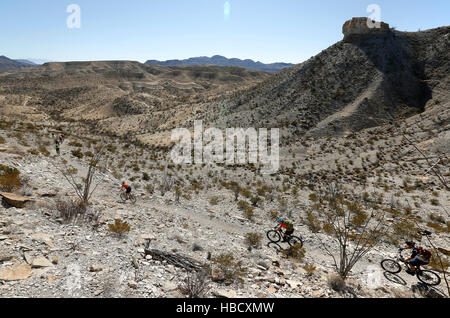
x,y
419,256
57,148
61,138
127,187
288,226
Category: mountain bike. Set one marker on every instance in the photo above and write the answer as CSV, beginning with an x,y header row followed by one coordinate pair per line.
x,y
275,236
131,197
427,277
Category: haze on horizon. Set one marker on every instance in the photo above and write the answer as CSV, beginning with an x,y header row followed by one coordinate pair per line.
x,y
268,31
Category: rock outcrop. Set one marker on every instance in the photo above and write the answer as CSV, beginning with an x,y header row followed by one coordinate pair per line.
x,y
15,200
361,28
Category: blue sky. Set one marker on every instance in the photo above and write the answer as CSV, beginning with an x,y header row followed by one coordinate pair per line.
x,y
264,30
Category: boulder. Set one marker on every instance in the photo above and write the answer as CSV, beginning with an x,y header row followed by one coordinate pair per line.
x,y
41,237
132,284
225,293
14,200
18,272
96,268
40,262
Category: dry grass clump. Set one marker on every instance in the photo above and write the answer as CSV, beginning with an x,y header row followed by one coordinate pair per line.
x,y
195,285
228,267
309,268
253,239
296,252
336,283
119,228
9,179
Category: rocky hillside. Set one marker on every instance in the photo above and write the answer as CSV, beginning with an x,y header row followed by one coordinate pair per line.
x,y
223,61
352,85
192,212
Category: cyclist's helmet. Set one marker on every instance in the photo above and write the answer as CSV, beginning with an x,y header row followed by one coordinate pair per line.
x,y
410,243
123,182
280,220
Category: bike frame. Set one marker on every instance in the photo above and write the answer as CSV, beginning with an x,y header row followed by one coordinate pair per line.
x,y
402,260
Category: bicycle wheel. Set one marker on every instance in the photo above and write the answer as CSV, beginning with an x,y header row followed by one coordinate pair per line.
x,y
391,266
123,197
293,240
428,277
274,236
133,199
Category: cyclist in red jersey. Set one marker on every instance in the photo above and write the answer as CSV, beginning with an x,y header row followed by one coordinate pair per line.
x,y
127,188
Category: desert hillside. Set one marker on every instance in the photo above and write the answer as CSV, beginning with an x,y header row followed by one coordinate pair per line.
x,y
352,85
364,167
143,96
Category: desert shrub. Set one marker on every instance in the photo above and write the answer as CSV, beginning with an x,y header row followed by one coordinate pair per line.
x,y
336,283
77,211
296,252
435,263
273,214
344,221
437,227
43,150
145,176
437,218
255,201
111,148
313,197
119,228
69,210
253,239
2,140
197,247
150,188
228,267
404,228
312,222
195,285
434,202
77,153
309,268
178,193
75,144
242,205
89,154
9,179
249,212
246,193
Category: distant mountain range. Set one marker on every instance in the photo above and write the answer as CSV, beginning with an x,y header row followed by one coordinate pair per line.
x,y
38,61
223,61
7,64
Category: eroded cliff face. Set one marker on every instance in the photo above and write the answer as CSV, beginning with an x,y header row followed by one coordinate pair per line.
x,y
361,28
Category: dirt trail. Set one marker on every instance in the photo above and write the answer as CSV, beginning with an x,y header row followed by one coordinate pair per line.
x,y
201,216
